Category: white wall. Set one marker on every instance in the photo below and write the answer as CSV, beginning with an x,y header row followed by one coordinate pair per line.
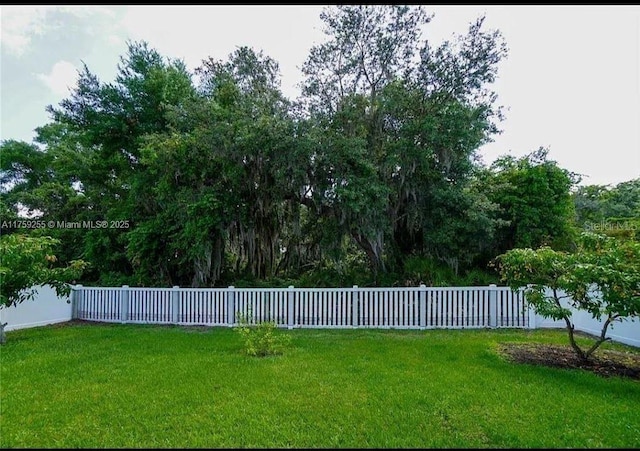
x,y
626,331
45,308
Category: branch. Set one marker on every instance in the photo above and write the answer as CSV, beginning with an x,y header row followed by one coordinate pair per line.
x,y
603,333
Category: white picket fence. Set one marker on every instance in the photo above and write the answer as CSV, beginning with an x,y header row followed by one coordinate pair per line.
x,y
420,307
403,308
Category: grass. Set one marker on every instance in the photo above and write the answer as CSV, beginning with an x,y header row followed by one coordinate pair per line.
x,y
118,386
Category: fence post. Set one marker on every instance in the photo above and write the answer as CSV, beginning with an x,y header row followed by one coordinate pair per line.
x,y
493,306
423,306
354,306
531,312
231,306
175,304
532,318
124,304
290,297
76,299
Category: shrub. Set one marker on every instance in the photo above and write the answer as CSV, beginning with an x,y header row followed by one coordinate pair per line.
x,y
263,339
601,278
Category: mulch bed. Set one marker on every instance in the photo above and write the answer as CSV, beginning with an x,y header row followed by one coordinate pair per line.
x,y
604,363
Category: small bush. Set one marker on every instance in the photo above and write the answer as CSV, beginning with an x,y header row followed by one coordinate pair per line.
x,y
263,339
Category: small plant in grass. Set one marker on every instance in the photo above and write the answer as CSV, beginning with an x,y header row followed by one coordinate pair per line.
x,y
263,339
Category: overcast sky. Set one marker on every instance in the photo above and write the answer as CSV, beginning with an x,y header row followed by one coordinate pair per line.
x,y
571,81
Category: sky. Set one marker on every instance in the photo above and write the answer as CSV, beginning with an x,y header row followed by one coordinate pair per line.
x,y
571,81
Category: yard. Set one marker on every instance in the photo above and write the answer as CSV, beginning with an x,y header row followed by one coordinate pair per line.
x,y
112,385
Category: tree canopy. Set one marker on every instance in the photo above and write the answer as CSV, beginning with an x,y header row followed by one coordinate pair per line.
x,y
371,176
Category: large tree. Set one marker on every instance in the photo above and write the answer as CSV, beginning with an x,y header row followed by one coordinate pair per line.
x,y
396,123
107,123
221,178
221,183
260,151
534,198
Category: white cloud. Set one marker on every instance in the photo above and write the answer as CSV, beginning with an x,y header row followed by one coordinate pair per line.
x,y
97,20
195,33
19,25
61,79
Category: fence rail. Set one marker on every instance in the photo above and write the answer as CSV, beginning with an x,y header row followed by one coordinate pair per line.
x,y
403,308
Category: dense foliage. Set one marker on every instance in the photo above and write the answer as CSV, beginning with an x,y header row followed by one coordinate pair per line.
x,y
371,176
614,211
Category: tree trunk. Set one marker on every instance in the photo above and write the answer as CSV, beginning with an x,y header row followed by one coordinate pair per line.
x,y
373,249
579,352
570,328
3,337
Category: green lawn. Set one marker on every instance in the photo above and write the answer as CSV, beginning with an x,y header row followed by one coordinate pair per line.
x,y
97,385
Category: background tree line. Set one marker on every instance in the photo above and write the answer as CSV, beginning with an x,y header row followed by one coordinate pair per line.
x,y
372,176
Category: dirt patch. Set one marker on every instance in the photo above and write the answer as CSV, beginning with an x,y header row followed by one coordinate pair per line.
x,y
604,363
